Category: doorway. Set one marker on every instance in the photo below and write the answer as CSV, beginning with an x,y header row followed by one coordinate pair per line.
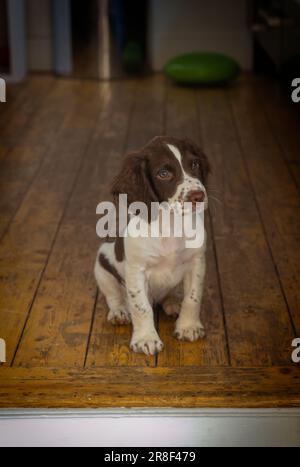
x,y
4,40
102,39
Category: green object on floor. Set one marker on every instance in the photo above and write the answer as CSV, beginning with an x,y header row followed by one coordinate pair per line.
x,y
202,68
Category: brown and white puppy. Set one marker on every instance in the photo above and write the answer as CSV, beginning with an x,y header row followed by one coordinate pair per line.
x,y
136,273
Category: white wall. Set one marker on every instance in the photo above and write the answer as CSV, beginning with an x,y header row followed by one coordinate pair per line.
x,y
181,26
39,35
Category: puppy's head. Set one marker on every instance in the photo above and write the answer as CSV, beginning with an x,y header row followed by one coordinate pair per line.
x,y
165,170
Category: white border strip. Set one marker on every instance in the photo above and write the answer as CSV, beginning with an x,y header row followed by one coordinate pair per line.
x,y
150,427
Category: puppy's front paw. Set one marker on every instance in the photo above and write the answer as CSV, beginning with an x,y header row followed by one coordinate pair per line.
x,y
190,331
119,317
149,344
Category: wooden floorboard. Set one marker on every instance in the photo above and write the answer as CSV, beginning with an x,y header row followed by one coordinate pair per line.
x,y
257,319
189,387
17,115
61,142
282,115
23,160
25,249
276,194
68,339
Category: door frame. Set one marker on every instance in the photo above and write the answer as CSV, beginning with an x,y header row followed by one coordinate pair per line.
x,y
17,41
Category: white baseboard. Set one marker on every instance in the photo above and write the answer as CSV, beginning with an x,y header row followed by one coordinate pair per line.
x,y
150,428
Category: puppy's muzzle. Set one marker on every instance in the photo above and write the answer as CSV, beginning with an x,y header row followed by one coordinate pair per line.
x,y
195,197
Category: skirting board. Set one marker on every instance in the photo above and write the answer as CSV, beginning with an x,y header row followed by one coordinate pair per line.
x,y
150,428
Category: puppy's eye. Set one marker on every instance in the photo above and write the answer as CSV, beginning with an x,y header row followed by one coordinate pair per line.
x,y
195,164
164,174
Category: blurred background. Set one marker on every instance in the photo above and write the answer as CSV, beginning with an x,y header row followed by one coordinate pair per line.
x,y
107,39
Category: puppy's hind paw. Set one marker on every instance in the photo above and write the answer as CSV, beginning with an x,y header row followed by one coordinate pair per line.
x,y
171,307
119,317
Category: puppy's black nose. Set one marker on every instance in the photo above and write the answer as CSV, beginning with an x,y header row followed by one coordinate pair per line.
x,y
196,197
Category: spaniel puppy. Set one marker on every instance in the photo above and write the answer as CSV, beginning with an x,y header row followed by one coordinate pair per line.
x,y
133,273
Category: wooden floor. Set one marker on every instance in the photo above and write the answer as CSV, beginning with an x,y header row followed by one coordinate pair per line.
x,y
60,142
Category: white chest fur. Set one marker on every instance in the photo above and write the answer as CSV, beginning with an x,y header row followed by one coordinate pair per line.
x,y
164,260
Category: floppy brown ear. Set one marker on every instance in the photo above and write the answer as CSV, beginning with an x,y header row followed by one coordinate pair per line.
x,y
205,165
134,180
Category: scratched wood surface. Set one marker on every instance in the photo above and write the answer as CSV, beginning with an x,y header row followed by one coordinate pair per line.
x,y
61,142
